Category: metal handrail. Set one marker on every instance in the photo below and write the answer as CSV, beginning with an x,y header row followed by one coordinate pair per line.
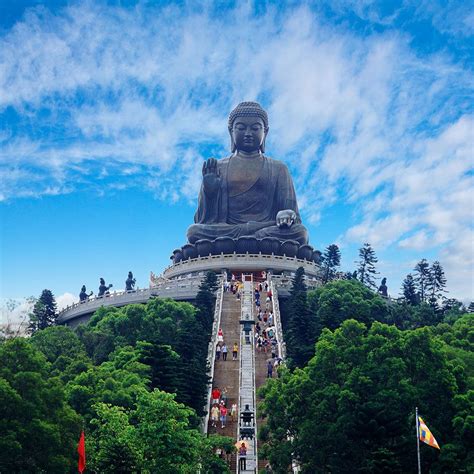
x,y
211,354
178,287
277,321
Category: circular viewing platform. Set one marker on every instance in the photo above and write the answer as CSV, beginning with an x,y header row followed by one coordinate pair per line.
x,y
181,281
80,312
236,262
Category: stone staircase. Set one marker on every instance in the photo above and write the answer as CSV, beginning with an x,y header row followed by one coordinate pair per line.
x,y
261,361
226,373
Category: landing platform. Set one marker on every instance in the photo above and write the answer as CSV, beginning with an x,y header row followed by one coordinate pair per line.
x,y
181,281
236,263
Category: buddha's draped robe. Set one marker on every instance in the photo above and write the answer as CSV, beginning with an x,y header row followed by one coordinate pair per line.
x,y
236,211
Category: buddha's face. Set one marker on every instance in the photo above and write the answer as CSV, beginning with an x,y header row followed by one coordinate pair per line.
x,y
248,133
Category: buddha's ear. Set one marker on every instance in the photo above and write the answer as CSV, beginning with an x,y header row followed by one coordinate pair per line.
x,y
262,146
232,143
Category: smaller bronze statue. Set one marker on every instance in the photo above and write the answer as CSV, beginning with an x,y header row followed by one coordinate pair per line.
x,y
103,288
130,282
383,290
83,296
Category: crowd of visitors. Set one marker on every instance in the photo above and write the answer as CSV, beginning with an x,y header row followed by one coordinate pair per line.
x,y
219,410
265,341
222,349
265,333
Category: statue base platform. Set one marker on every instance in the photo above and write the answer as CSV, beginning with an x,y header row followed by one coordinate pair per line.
x,y
181,281
241,263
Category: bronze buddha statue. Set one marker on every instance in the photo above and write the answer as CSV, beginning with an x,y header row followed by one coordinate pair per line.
x,y
247,193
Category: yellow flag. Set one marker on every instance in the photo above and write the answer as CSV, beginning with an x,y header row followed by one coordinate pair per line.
x,y
425,434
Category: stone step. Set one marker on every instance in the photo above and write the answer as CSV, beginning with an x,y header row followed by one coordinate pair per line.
x,y
226,373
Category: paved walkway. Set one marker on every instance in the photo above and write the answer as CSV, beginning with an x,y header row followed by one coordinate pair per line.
x,y
226,373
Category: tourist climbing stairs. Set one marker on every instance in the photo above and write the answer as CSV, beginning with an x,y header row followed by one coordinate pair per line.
x,y
226,372
239,380
263,355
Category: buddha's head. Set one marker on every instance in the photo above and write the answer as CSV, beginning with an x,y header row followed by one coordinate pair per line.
x,y
248,127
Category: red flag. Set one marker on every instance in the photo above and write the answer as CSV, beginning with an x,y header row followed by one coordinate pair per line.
x,y
81,449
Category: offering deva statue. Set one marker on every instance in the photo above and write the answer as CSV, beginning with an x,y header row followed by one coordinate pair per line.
x,y
248,193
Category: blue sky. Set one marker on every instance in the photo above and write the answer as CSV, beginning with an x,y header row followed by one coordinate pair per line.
x,y
107,110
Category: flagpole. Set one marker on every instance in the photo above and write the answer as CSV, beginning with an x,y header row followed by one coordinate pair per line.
x,y
418,440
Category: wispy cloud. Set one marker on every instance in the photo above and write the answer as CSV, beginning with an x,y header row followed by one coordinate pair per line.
x,y
138,97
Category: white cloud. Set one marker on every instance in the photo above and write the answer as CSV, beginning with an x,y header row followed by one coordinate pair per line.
x,y
139,97
66,299
14,315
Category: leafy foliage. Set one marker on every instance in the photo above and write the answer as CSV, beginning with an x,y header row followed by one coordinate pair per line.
x,y
351,409
299,332
331,259
39,429
170,336
422,278
44,312
436,284
366,266
64,350
409,290
340,300
111,373
153,437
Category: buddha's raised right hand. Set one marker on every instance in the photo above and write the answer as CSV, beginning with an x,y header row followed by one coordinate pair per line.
x,y
210,176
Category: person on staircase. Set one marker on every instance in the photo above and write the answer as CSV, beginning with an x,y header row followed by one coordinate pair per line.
x,y
233,412
269,370
223,411
224,397
224,352
235,350
216,396
214,415
243,457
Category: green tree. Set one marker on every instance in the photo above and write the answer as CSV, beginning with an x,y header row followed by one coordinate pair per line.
x,y
117,381
114,444
409,290
64,350
156,436
436,284
331,304
192,378
164,363
424,315
161,322
366,270
331,260
351,408
299,335
422,278
39,430
452,309
206,300
44,312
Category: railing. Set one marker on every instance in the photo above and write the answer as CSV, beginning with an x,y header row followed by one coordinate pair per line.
x,y
295,467
247,395
211,354
285,282
178,289
243,261
277,321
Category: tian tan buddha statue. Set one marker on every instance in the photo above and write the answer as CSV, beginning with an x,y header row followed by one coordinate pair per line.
x,y
248,193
